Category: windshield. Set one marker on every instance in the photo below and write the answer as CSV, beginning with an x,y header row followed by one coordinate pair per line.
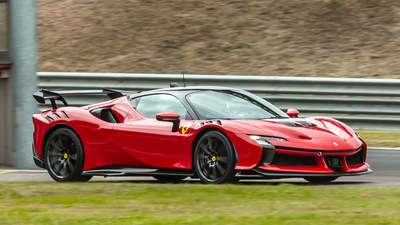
x,y
232,105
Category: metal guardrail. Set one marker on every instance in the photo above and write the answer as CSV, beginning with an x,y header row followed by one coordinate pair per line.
x,y
360,103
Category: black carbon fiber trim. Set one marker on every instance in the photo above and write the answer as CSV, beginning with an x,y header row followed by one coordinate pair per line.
x,y
312,150
283,175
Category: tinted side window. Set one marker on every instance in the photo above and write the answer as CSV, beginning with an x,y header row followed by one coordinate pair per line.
x,y
150,105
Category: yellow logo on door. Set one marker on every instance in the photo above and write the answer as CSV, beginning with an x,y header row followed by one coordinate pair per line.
x,y
184,129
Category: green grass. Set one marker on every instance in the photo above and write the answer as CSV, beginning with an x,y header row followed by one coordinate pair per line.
x,y
154,203
380,138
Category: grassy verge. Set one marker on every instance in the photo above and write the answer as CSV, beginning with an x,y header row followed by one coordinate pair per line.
x,y
380,138
144,203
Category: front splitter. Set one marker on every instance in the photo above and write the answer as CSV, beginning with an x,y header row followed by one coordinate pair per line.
x,y
260,174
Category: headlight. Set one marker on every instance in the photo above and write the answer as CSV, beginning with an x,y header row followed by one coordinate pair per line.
x,y
263,140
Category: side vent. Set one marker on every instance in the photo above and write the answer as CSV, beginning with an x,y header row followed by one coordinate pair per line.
x,y
105,114
64,114
49,118
219,122
56,115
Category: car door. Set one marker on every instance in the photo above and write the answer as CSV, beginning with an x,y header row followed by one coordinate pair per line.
x,y
151,142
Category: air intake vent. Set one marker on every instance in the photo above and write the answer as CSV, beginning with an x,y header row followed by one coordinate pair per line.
x,y
293,160
65,114
356,158
56,115
291,124
49,118
105,114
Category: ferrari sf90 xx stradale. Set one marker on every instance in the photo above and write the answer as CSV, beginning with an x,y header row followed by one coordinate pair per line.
x,y
216,134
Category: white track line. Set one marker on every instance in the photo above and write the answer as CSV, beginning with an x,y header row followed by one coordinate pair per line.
x,y
386,149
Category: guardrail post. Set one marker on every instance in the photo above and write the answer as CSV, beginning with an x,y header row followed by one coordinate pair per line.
x,y
24,53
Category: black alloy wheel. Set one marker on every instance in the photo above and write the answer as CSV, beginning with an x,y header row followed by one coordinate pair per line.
x,y
64,156
320,180
214,159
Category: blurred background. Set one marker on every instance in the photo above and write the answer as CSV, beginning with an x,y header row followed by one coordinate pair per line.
x,y
3,28
325,38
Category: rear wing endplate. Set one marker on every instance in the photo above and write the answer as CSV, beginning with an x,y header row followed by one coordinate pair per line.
x,y
43,95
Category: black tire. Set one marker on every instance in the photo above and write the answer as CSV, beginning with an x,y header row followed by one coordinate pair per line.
x,y
214,159
320,180
169,179
64,156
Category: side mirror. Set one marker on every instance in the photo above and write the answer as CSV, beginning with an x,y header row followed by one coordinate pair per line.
x,y
293,113
170,117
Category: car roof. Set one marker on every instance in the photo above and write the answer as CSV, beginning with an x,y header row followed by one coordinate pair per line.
x,y
186,89
195,88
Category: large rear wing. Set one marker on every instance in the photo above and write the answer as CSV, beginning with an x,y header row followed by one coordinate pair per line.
x,y
43,95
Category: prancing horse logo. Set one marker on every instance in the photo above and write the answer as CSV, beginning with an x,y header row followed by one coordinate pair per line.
x,y
184,129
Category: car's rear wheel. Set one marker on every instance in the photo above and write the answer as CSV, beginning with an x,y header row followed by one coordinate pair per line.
x,y
64,156
320,180
169,178
214,159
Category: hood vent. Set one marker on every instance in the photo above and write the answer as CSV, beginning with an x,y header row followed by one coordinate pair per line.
x,y
291,124
306,123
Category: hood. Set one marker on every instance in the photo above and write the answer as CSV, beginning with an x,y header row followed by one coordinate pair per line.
x,y
310,133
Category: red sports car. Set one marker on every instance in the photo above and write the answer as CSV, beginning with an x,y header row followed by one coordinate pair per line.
x,y
216,134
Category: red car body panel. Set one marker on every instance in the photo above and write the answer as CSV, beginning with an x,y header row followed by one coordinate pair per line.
x,y
127,143
146,142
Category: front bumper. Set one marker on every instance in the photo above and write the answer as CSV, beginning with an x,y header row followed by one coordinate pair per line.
x,y
284,162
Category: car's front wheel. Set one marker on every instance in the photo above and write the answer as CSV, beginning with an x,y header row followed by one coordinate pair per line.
x,y
64,156
320,180
214,159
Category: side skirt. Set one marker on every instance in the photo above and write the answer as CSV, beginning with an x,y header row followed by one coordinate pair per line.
x,y
135,171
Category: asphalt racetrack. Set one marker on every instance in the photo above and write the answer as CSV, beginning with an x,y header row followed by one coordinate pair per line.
x,y
384,162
